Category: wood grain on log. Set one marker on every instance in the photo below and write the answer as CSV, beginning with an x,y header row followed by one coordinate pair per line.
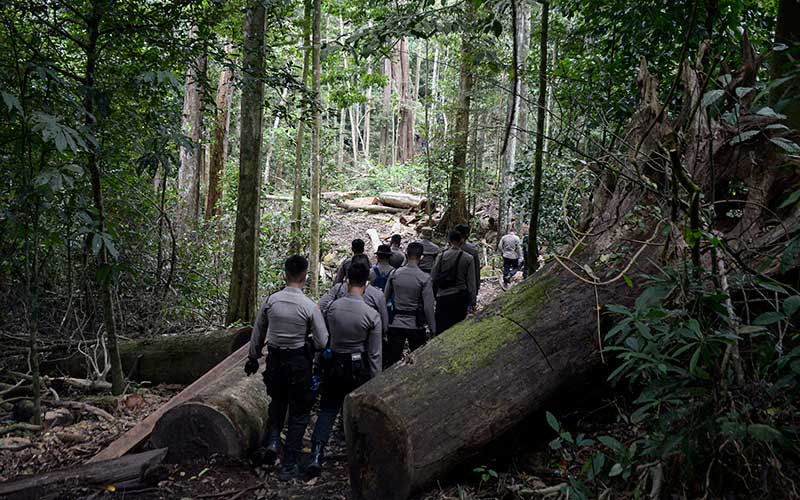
x,y
141,431
402,200
129,469
227,416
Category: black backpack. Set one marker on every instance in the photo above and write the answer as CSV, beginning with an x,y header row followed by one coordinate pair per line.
x,y
447,279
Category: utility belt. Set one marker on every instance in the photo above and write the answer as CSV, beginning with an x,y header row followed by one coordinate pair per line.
x,y
344,368
417,314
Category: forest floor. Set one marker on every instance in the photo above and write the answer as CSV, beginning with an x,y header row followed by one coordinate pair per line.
x,y
76,436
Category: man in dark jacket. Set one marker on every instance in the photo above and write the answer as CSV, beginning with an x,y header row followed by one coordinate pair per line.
x,y
355,358
471,249
398,258
357,246
453,276
430,250
283,322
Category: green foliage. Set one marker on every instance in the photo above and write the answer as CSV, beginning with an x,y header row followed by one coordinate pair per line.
x,y
689,419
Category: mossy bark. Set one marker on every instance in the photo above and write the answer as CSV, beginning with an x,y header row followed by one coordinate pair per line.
x,y
175,359
473,383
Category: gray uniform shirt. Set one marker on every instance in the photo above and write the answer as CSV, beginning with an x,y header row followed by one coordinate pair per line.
x,y
284,320
464,275
384,267
473,250
356,327
430,251
510,247
372,296
412,290
398,258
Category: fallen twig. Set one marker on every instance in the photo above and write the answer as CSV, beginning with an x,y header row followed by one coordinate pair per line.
x,y
77,405
236,493
19,426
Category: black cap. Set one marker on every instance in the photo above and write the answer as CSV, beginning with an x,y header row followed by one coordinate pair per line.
x,y
384,251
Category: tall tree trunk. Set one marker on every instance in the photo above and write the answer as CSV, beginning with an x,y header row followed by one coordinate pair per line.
x,y
517,112
457,200
417,74
784,63
297,195
94,167
340,156
386,134
533,229
222,121
367,118
268,174
191,157
353,135
244,274
316,160
402,79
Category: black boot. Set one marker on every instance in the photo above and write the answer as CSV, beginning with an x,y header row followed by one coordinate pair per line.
x,y
268,453
290,468
317,454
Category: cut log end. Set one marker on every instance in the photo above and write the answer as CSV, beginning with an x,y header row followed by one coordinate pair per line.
x,y
379,450
209,430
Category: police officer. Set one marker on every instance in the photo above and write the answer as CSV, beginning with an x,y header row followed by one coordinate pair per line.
x,y
453,277
430,250
471,249
284,321
398,258
510,248
372,295
412,293
357,246
380,272
356,356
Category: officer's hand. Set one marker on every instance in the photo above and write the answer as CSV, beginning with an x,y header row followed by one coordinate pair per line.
x,y
251,366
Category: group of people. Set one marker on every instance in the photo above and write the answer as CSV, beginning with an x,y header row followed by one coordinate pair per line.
x,y
358,328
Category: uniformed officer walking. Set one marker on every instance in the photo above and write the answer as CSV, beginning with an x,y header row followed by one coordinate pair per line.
x,y
430,250
357,246
398,258
284,322
355,343
471,249
453,277
412,293
510,248
372,296
380,272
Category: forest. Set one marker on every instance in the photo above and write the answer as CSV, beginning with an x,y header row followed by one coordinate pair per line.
x,y
161,160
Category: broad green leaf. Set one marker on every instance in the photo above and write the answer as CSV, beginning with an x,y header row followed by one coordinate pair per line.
x,y
743,91
553,422
712,96
11,101
629,281
744,136
764,433
791,305
616,470
790,254
791,200
612,443
769,318
767,111
785,144
97,244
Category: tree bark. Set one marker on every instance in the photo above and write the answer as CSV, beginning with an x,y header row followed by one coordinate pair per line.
x,y
191,157
386,134
536,199
297,201
457,201
94,168
126,472
244,274
219,153
316,160
784,63
268,174
405,129
228,416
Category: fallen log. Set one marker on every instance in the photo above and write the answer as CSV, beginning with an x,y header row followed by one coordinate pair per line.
x,y
141,431
166,359
357,203
402,200
128,471
228,416
485,374
373,208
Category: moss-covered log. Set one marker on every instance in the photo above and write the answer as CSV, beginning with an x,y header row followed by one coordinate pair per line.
x,y
166,359
474,382
228,416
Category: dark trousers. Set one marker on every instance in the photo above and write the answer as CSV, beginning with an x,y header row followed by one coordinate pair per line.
x,y
510,268
393,351
288,381
340,378
451,309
